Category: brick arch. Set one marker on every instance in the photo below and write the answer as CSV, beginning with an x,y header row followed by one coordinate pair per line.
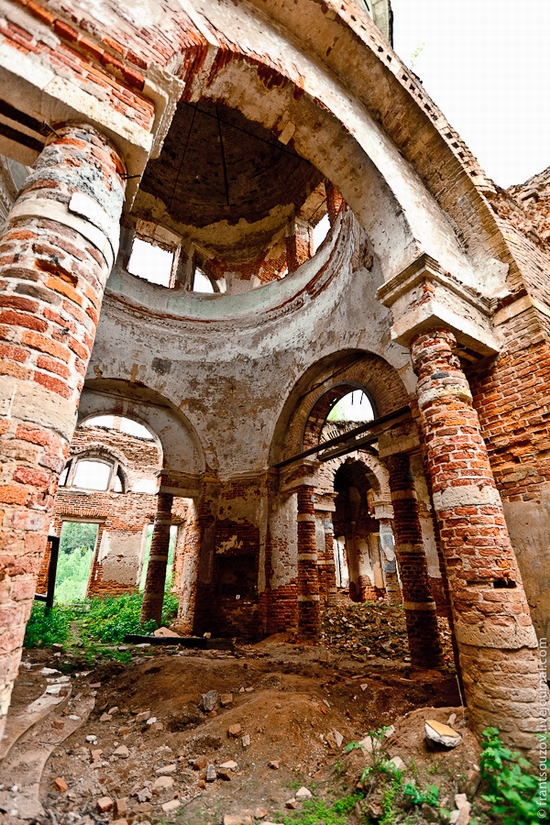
x,y
322,407
183,461
309,402
355,111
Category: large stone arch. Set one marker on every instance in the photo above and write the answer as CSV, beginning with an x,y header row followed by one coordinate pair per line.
x,y
326,380
183,459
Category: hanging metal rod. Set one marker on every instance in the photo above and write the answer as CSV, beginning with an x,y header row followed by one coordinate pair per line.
x,y
347,437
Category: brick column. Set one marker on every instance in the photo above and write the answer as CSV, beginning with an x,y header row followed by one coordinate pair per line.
x,y
334,202
389,565
57,248
331,591
420,608
495,636
309,619
153,595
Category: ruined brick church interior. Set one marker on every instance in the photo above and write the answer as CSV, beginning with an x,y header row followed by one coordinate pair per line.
x,y
260,302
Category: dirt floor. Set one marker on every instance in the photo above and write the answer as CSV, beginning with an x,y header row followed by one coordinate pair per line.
x,y
199,736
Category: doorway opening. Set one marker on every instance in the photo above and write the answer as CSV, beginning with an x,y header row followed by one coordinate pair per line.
x,y
76,552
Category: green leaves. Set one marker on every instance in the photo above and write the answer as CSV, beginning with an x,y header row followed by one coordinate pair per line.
x,y
515,794
93,622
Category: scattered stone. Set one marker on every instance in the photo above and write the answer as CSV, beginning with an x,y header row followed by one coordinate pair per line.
x,y
165,632
473,778
442,734
428,813
162,783
113,710
234,730
224,773
237,819
166,770
156,726
210,773
260,813
143,716
246,740
230,765
122,751
60,784
274,764
303,793
144,795
226,699
375,810
95,685
338,738
200,763
398,762
369,744
208,701
171,806
291,804
104,804
50,671
119,822
451,720
105,718
92,739
121,806
151,720
144,808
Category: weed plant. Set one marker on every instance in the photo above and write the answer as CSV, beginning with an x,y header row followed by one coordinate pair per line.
x,y
93,622
517,796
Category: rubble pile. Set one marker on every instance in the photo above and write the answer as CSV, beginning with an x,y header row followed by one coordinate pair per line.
x,y
374,630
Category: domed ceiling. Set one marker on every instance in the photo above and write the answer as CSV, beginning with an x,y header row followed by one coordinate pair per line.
x,y
224,182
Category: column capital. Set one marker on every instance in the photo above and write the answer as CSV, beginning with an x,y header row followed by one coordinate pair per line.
x,y
298,474
423,296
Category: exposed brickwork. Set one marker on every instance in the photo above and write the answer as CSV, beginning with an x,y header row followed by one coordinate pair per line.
x,y
92,66
53,280
153,595
420,613
309,618
490,611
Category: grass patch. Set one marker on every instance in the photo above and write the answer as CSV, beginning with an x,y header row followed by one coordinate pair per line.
x,y
315,811
91,623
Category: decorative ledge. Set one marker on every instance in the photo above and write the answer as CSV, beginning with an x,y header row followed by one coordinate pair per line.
x,y
423,296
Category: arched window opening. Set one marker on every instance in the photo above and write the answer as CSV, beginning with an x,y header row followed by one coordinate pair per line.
x,y
92,474
202,283
346,413
124,425
354,407
320,232
151,262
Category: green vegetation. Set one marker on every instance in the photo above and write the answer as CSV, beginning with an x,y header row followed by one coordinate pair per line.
x,y
517,795
169,563
315,811
93,622
76,549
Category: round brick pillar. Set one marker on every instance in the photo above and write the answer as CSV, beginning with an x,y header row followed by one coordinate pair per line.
x,y
309,618
329,567
153,595
418,602
57,248
497,646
